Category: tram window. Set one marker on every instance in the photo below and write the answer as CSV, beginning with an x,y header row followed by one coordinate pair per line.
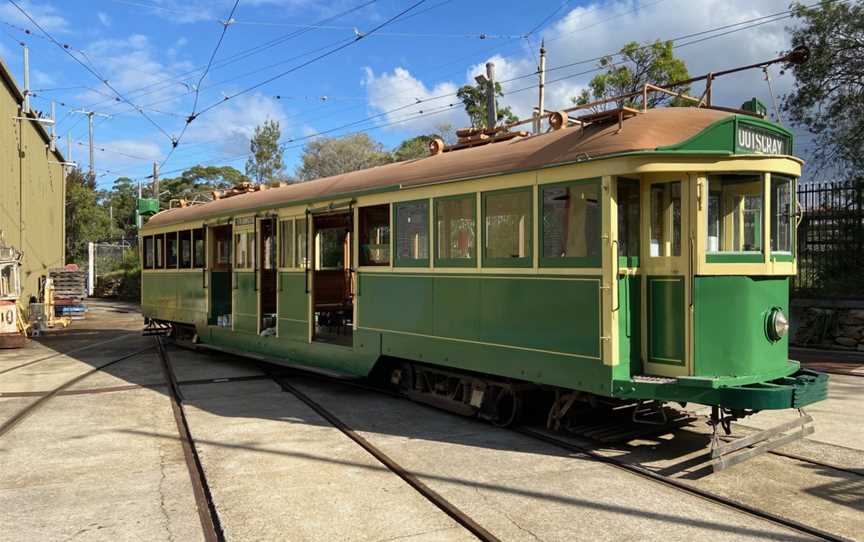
x,y
456,231
159,250
665,219
302,252
241,258
286,243
330,248
781,214
412,233
198,244
507,222
375,235
185,249
628,221
251,262
171,251
735,211
148,252
223,250
571,224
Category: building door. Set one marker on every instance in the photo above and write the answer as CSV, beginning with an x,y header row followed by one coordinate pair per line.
x,y
332,281
666,270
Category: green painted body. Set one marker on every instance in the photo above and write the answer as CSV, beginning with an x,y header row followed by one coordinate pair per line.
x,y
666,320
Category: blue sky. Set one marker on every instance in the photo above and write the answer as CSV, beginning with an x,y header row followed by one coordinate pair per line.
x,y
153,52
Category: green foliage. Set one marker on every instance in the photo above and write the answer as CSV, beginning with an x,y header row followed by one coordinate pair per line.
x,y
122,199
325,157
416,147
828,98
474,99
653,63
265,165
86,220
200,179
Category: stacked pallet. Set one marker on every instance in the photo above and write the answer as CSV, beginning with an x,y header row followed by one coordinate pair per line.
x,y
70,289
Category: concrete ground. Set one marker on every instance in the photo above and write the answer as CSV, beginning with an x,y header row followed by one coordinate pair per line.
x,y
109,466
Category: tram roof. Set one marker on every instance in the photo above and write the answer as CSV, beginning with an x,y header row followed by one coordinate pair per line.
x,y
656,128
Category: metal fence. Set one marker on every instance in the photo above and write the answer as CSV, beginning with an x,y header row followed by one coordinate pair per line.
x,y
831,240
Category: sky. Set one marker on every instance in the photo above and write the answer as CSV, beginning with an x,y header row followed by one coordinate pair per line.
x,y
300,62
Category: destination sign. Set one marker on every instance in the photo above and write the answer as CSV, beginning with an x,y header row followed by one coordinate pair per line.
x,y
750,139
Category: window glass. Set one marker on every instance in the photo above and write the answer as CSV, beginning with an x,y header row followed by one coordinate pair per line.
x,y
375,235
199,242
223,250
665,208
781,214
412,233
628,218
171,250
251,262
455,230
185,249
160,251
735,213
241,250
148,252
508,227
302,252
331,248
286,241
571,223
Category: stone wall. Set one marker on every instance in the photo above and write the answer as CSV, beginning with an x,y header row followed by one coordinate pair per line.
x,y
835,327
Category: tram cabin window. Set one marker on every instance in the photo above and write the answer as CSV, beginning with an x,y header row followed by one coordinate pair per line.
x,y
241,250
456,231
331,248
302,253
223,250
628,221
185,249
149,257
665,221
268,250
375,235
508,228
781,214
570,228
412,233
735,207
171,251
286,243
199,242
159,250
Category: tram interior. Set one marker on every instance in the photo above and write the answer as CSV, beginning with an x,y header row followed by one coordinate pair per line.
x,y
332,295
267,276
220,277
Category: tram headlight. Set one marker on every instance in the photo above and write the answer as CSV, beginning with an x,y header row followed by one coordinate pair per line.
x,y
778,324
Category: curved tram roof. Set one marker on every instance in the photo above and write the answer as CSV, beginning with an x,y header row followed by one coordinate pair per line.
x,y
643,132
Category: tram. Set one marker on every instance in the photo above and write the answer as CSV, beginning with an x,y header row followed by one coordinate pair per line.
x,y
629,255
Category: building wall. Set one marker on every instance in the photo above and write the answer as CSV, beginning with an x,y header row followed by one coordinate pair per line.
x,y
32,190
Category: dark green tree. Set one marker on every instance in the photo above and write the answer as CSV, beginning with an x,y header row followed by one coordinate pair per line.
x,y
86,220
630,69
473,97
265,165
325,156
416,147
828,98
122,201
200,180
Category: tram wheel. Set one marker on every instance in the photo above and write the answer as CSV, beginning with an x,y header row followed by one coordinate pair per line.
x,y
508,408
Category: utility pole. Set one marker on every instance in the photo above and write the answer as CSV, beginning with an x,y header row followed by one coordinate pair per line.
x,y
156,182
137,203
541,70
26,80
90,115
53,144
491,109
69,147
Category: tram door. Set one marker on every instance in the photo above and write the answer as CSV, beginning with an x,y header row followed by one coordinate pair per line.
x,y
666,274
267,269
332,283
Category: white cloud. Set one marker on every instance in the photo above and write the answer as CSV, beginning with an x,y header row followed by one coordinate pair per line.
x,y
46,15
601,28
118,154
104,18
41,79
229,127
399,89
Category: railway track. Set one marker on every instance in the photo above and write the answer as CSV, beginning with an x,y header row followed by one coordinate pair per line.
x,y
71,351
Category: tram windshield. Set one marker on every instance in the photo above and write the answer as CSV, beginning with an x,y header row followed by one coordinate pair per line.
x,y
735,211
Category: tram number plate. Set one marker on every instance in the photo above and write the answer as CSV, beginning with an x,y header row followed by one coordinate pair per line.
x,y
8,317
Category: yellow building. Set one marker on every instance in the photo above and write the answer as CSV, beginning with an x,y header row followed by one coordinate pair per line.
x,y
32,188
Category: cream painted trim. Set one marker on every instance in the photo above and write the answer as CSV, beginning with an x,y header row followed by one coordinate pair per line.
x,y
522,271
145,231
453,339
608,283
441,275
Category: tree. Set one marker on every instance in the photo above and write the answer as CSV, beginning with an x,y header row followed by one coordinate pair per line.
x,y
265,164
653,63
86,220
474,99
324,157
201,179
122,199
828,98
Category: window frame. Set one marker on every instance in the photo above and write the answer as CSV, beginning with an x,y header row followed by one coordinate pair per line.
x,y
180,238
287,240
455,262
301,260
144,246
199,234
783,255
176,237
570,261
159,262
738,256
394,234
361,233
629,261
524,261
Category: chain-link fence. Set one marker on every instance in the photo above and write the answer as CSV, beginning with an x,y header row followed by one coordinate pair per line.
x,y
113,269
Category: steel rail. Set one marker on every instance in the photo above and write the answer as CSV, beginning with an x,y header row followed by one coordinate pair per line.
x,y
430,494
6,426
207,513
